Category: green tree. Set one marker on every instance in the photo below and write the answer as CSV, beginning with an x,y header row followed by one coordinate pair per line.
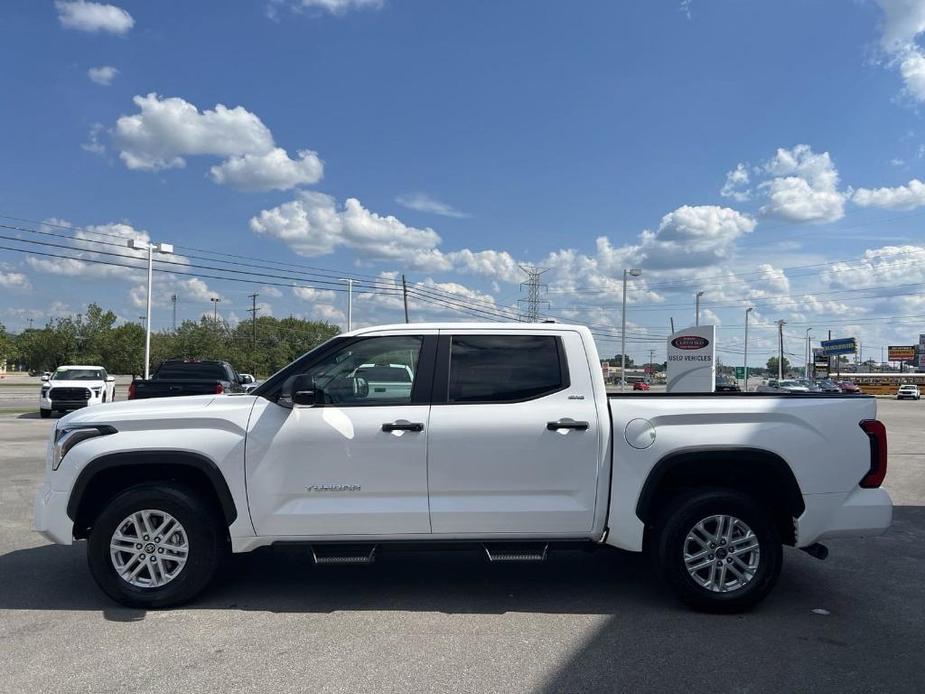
x,y
772,366
8,347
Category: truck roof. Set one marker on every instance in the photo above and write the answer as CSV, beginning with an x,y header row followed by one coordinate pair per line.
x,y
458,325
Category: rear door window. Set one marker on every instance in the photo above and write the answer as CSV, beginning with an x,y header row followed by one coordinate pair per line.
x,y
505,368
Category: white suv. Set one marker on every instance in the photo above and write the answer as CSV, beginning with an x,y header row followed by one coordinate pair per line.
x,y
908,391
72,387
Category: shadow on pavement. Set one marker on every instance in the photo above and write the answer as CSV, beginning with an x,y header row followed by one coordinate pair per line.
x,y
854,623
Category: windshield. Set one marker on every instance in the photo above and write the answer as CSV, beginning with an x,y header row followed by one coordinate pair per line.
x,y
78,375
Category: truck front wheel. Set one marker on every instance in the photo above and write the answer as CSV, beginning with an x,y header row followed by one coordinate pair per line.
x,y
719,550
155,546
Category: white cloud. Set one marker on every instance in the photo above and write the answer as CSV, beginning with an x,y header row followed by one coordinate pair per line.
x,y
904,21
335,7
693,236
104,74
78,267
804,187
93,145
906,197
167,129
736,185
313,295
271,291
273,170
93,17
14,280
313,225
422,202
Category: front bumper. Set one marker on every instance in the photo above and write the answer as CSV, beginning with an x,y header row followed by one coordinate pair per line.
x,y
859,513
49,516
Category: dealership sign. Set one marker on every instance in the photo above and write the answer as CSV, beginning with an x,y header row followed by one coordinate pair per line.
x,y
843,345
900,353
692,360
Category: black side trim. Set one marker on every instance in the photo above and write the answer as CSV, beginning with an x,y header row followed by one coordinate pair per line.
x,y
131,458
723,456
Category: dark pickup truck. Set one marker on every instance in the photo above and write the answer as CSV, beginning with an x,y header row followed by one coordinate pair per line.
x,y
177,377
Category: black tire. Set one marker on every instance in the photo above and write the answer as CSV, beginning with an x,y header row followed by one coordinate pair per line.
x,y
205,535
679,519
44,414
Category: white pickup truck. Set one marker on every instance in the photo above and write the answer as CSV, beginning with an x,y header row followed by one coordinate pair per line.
x,y
72,387
506,440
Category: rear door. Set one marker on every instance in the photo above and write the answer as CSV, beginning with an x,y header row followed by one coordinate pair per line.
x,y
513,446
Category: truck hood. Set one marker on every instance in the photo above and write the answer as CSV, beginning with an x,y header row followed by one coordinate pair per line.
x,y
155,409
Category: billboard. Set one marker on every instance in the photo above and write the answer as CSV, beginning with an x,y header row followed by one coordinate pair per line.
x,y
692,360
843,345
900,353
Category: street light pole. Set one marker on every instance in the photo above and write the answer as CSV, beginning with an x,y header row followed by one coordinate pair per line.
x,y
697,309
780,350
747,311
635,272
164,248
349,302
214,301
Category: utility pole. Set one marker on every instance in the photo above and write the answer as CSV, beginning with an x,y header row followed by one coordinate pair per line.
x,y
747,311
173,300
671,323
30,326
214,301
780,350
809,351
697,309
534,286
349,282
651,363
404,293
253,310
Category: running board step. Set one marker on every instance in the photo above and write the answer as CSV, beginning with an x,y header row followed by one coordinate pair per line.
x,y
343,554
516,551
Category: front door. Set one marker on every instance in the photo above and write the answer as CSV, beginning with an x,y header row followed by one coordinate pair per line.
x,y
497,466
356,462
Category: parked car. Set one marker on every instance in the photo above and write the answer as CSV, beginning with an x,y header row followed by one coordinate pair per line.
x,y
72,387
827,386
849,387
908,392
248,382
177,377
726,386
641,385
385,381
784,386
507,440
810,386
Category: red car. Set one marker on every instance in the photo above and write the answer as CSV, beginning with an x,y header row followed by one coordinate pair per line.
x,y
640,385
848,387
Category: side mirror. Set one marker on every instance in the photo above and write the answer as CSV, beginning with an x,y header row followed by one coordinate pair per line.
x,y
44,377
299,390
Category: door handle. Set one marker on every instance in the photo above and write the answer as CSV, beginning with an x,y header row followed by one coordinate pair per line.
x,y
566,424
402,426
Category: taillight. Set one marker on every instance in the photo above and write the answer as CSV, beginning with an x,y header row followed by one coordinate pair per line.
x,y
876,433
219,389
131,391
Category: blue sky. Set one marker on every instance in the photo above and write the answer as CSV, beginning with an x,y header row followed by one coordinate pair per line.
x,y
456,141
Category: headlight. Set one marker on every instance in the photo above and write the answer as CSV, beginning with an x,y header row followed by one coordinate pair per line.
x,y
69,436
97,391
45,391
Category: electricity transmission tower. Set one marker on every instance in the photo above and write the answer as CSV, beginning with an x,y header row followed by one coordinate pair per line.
x,y
535,288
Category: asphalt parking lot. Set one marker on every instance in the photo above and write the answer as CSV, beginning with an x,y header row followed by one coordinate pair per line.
x,y
454,623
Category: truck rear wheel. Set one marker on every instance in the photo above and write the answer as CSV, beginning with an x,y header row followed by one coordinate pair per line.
x,y
155,545
719,550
